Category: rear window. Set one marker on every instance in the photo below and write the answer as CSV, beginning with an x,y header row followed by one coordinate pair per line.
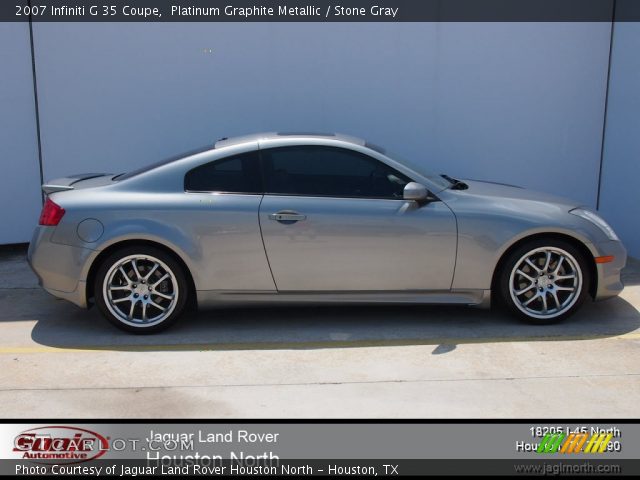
x,y
147,168
237,174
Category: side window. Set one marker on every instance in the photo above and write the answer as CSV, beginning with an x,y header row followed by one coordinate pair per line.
x,y
237,174
329,171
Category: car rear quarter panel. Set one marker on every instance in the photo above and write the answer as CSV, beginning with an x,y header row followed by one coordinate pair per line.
x,y
216,236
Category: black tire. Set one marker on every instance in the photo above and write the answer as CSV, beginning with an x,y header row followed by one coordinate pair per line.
x,y
171,293
555,290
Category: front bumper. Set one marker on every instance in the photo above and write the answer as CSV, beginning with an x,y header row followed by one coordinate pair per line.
x,y
60,268
609,281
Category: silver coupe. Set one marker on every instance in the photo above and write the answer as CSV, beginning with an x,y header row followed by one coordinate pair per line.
x,y
322,218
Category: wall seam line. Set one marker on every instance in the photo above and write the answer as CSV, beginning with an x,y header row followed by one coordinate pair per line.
x,y
36,102
606,105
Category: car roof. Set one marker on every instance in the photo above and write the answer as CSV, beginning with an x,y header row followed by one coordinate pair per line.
x,y
301,136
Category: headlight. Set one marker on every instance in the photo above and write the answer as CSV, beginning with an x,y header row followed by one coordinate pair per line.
x,y
596,220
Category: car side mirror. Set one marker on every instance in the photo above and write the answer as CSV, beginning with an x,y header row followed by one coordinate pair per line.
x,y
417,192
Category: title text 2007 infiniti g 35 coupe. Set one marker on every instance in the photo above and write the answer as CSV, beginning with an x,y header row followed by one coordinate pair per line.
x,y
313,218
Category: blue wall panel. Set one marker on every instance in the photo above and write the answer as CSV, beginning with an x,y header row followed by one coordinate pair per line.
x,y
620,190
20,191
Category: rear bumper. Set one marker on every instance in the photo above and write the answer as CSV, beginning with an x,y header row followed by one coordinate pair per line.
x,y
78,296
609,281
59,268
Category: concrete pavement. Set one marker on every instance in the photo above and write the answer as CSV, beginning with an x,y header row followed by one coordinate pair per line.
x,y
57,360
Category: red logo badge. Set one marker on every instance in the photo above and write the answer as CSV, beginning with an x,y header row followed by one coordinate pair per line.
x,y
60,445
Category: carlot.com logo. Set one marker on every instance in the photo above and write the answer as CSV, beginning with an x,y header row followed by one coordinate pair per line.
x,y
58,445
574,443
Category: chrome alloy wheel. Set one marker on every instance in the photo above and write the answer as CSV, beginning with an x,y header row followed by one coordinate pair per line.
x,y
545,282
140,290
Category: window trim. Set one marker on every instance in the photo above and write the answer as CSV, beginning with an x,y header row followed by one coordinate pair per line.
x,y
337,197
218,192
315,195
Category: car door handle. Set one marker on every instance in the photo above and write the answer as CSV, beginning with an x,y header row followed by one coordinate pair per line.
x,y
287,216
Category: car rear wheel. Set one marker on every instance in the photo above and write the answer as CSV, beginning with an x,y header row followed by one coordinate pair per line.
x,y
545,281
141,289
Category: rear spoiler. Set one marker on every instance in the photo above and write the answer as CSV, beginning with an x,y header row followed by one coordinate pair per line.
x,y
66,183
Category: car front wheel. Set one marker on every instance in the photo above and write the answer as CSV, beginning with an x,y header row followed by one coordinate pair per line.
x,y
545,281
140,289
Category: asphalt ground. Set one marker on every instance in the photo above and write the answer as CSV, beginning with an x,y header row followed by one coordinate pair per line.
x,y
59,361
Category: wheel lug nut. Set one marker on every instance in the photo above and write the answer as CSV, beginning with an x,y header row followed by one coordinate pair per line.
x,y
135,295
134,285
146,296
143,282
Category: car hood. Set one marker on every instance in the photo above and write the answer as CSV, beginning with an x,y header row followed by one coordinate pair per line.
x,y
505,191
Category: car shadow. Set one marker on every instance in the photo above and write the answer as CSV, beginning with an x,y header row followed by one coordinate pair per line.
x,y
295,327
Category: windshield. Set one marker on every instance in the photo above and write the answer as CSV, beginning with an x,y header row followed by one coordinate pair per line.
x,y
146,168
436,179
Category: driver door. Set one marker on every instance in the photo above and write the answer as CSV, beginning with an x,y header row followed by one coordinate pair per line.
x,y
334,219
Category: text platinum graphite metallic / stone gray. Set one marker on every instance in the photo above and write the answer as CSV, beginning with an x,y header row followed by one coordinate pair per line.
x,y
322,218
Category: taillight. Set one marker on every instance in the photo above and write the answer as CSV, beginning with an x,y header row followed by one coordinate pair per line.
x,y
51,214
